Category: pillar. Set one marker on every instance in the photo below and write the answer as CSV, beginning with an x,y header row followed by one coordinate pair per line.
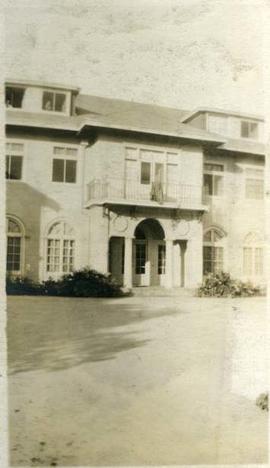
x,y
169,263
128,262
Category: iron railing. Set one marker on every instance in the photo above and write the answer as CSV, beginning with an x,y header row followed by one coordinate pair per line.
x,y
113,188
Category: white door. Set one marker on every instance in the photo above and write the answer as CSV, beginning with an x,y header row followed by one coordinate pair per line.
x,y
141,264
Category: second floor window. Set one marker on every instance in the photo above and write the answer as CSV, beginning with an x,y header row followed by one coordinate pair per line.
x,y
254,185
14,97
249,129
53,101
65,166
213,179
14,161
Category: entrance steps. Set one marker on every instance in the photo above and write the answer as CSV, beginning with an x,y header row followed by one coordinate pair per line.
x,y
158,291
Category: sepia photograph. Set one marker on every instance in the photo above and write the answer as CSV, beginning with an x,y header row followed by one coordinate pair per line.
x,y
136,236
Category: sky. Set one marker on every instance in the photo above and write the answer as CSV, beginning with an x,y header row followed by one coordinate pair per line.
x,y
178,53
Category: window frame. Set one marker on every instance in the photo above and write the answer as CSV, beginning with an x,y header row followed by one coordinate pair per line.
x,y
10,153
249,122
62,238
254,178
16,220
54,92
253,243
214,244
140,267
65,157
15,87
214,174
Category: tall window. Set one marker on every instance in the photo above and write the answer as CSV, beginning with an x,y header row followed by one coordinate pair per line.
x,y
213,179
213,251
145,173
52,101
161,259
14,160
64,165
14,246
60,248
249,129
252,256
254,186
14,97
140,257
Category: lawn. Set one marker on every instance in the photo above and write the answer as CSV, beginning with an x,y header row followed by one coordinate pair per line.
x,y
136,381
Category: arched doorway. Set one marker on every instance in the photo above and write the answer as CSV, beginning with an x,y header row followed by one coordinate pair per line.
x,y
149,254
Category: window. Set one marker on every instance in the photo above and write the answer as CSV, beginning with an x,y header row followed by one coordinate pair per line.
x,y
161,259
252,256
140,258
60,248
254,187
145,173
213,179
249,129
14,161
14,97
14,246
213,251
53,101
64,170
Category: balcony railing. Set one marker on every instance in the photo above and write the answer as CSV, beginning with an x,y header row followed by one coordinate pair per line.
x,y
116,189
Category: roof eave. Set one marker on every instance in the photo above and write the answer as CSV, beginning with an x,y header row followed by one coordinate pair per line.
x,y
134,129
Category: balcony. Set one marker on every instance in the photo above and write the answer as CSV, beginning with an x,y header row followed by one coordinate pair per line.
x,y
130,192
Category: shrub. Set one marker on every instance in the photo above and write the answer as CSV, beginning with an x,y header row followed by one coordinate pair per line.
x,y
84,283
81,283
222,285
23,286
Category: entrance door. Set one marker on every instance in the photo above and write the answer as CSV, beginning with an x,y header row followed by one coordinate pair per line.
x,y
141,263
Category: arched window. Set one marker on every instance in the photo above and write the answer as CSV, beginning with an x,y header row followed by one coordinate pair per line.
x,y
15,235
253,255
60,248
213,251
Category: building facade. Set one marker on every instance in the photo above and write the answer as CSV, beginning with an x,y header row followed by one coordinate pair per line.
x,y
155,196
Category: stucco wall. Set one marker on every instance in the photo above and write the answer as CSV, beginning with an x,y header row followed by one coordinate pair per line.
x,y
232,212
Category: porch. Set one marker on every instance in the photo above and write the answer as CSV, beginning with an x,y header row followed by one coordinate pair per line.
x,y
148,259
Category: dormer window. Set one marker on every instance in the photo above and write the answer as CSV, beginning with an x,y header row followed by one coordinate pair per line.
x,y
14,97
52,101
249,129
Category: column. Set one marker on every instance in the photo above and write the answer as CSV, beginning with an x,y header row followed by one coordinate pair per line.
x,y
169,263
128,262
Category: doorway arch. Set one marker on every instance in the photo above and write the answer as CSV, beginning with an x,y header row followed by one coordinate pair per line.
x,y
149,254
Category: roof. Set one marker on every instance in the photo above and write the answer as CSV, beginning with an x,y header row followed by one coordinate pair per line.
x,y
200,110
41,84
32,119
117,115
244,146
107,113
139,117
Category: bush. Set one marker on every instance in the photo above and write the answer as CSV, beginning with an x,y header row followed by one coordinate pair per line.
x,y
84,283
222,285
23,286
81,283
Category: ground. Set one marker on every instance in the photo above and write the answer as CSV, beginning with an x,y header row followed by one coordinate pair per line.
x,y
136,381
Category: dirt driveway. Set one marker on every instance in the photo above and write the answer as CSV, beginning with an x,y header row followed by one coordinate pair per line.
x,y
136,381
